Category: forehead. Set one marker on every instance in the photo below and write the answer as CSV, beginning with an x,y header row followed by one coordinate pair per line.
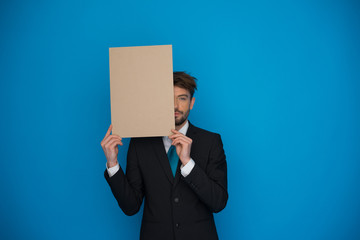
x,y
181,91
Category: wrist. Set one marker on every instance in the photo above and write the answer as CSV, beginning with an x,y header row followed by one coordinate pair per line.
x,y
112,164
185,161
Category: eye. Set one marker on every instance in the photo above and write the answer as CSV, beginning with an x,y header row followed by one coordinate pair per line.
x,y
182,98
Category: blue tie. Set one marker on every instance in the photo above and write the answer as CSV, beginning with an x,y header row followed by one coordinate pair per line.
x,y
173,158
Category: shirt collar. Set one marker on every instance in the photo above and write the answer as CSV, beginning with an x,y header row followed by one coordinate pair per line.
x,y
184,129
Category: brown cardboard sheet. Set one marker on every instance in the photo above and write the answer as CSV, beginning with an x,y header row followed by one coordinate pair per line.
x,y
141,91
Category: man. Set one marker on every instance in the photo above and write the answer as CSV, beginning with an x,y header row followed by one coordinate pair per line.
x,y
183,177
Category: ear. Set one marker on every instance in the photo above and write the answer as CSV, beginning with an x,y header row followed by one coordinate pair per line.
x,y
192,103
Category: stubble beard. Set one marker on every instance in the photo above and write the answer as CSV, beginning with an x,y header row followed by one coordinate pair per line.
x,y
183,118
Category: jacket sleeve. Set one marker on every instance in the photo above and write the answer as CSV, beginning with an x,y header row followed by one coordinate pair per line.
x,y
128,188
211,184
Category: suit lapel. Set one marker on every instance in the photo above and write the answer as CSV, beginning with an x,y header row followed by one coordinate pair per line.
x,y
177,173
163,159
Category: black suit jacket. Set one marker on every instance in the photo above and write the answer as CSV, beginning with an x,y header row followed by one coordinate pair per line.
x,y
175,208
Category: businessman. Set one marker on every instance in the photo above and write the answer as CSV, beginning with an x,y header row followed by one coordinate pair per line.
x,y
183,177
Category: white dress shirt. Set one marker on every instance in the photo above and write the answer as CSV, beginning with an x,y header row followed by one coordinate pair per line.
x,y
185,170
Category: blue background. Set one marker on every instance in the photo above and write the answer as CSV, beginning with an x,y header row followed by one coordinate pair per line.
x,y
278,79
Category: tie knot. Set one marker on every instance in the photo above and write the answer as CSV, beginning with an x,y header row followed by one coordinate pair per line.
x,y
171,149
172,152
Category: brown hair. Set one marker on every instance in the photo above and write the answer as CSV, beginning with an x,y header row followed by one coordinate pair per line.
x,y
186,81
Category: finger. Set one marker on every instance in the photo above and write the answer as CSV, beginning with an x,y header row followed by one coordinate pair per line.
x,y
175,132
182,137
181,141
108,131
115,140
175,143
115,143
109,138
111,144
177,135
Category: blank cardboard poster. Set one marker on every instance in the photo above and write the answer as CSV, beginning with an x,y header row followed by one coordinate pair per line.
x,y
141,91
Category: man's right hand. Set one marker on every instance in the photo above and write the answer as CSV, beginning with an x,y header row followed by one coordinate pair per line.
x,y
110,146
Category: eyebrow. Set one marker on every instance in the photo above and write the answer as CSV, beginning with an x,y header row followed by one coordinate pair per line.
x,y
183,95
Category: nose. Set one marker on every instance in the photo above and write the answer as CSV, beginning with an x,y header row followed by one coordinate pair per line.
x,y
175,103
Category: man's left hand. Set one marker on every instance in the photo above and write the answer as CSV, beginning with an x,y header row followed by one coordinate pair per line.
x,y
183,146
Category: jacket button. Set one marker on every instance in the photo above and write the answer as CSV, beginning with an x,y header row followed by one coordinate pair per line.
x,y
177,225
176,200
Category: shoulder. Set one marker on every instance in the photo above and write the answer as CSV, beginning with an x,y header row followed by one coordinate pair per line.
x,y
204,141
202,133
